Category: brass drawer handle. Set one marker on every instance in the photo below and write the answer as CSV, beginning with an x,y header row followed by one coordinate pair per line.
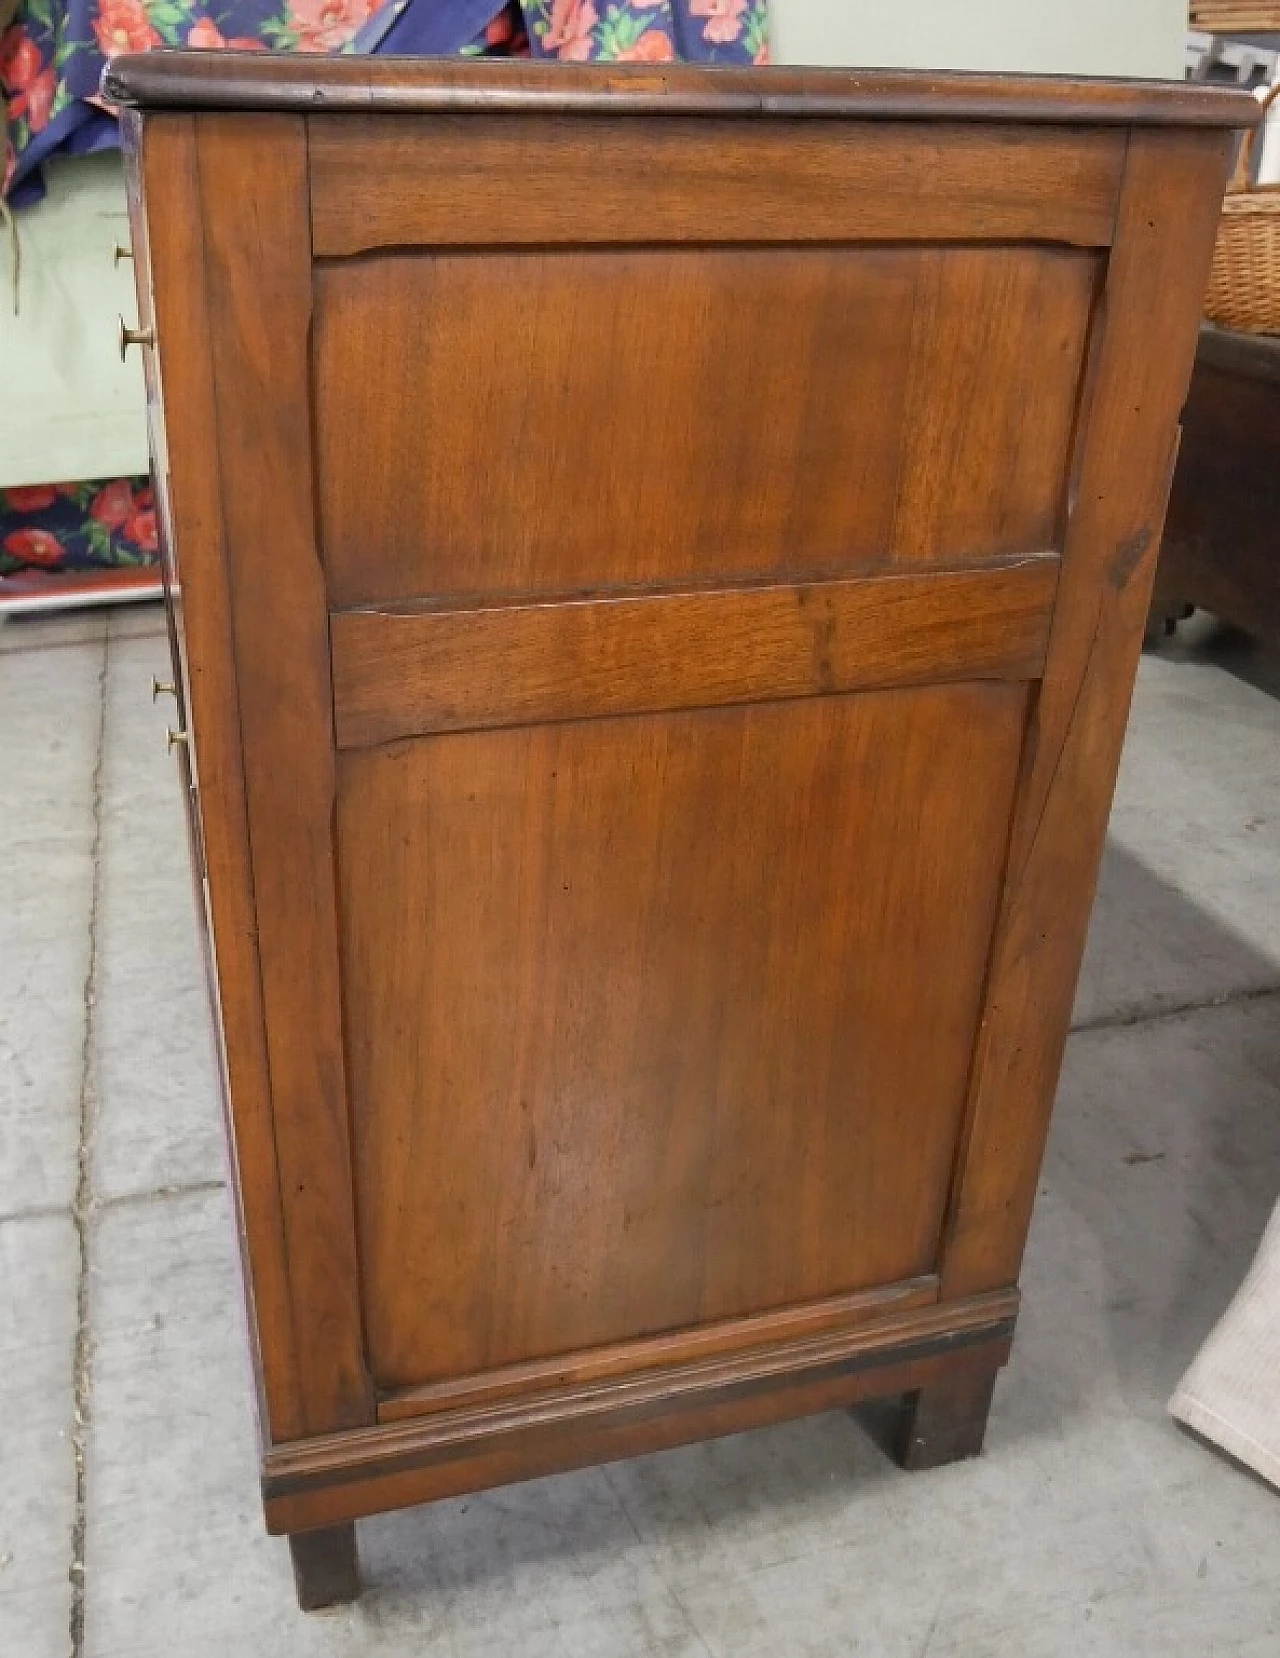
x,y
173,738
163,687
134,336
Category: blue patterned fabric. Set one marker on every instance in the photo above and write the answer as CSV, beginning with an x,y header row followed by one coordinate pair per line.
x,y
52,57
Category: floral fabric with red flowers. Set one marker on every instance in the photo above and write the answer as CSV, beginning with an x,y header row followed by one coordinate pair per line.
x,y
649,31
51,58
89,526
50,63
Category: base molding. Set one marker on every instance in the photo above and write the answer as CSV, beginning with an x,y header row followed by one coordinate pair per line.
x,y
330,1479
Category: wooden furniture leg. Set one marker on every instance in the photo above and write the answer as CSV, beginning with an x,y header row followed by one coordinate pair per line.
x,y
946,1422
326,1566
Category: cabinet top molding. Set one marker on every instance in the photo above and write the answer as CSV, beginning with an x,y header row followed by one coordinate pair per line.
x,y
267,81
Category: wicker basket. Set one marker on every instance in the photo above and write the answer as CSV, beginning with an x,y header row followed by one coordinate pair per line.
x,y
1235,16
1244,287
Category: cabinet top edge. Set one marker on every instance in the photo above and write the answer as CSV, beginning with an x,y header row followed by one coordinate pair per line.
x,y
250,81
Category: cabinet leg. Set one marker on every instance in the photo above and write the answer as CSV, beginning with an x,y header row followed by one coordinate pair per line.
x,y
946,1422
326,1567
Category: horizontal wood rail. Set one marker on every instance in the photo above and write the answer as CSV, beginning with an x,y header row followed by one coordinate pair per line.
x,y
404,673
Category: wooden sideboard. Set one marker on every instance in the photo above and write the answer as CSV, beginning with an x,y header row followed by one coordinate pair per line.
x,y
658,562
1221,547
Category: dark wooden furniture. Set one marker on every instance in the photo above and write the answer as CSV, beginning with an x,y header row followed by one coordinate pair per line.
x,y
1221,547
658,563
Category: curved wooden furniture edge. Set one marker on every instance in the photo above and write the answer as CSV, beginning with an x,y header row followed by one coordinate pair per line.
x,y
256,80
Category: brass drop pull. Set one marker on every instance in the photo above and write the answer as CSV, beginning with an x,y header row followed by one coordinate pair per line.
x,y
134,336
174,738
161,687
121,253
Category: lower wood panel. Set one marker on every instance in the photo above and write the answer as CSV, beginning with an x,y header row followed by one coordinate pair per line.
x,y
645,1022
397,673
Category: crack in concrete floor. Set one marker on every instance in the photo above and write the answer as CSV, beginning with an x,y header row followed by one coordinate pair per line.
x,y
83,1201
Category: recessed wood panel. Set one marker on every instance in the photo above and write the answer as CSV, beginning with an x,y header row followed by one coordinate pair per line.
x,y
993,371
646,1019
574,419
405,673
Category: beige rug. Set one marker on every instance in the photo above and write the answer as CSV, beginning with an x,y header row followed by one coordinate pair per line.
x,y
1231,1393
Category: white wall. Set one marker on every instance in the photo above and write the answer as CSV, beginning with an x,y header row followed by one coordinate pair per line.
x,y
1066,37
80,412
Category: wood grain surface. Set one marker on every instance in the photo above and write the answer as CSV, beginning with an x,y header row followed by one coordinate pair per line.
x,y
403,674
943,1352
243,81
755,1334
257,262
171,277
690,415
1123,468
657,584
694,180
663,1038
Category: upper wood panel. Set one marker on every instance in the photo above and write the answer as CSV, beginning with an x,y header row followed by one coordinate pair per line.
x,y
225,80
567,420
678,1015
450,180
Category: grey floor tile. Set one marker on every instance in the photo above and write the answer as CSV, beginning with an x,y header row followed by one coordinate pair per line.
x,y
144,620
1163,1170
158,1118
39,1267
174,1556
553,1568
1092,1524
758,1500
1047,1547
177,1559
50,713
1194,847
53,630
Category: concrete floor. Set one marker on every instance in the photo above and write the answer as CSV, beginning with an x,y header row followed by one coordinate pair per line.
x,y
129,1519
